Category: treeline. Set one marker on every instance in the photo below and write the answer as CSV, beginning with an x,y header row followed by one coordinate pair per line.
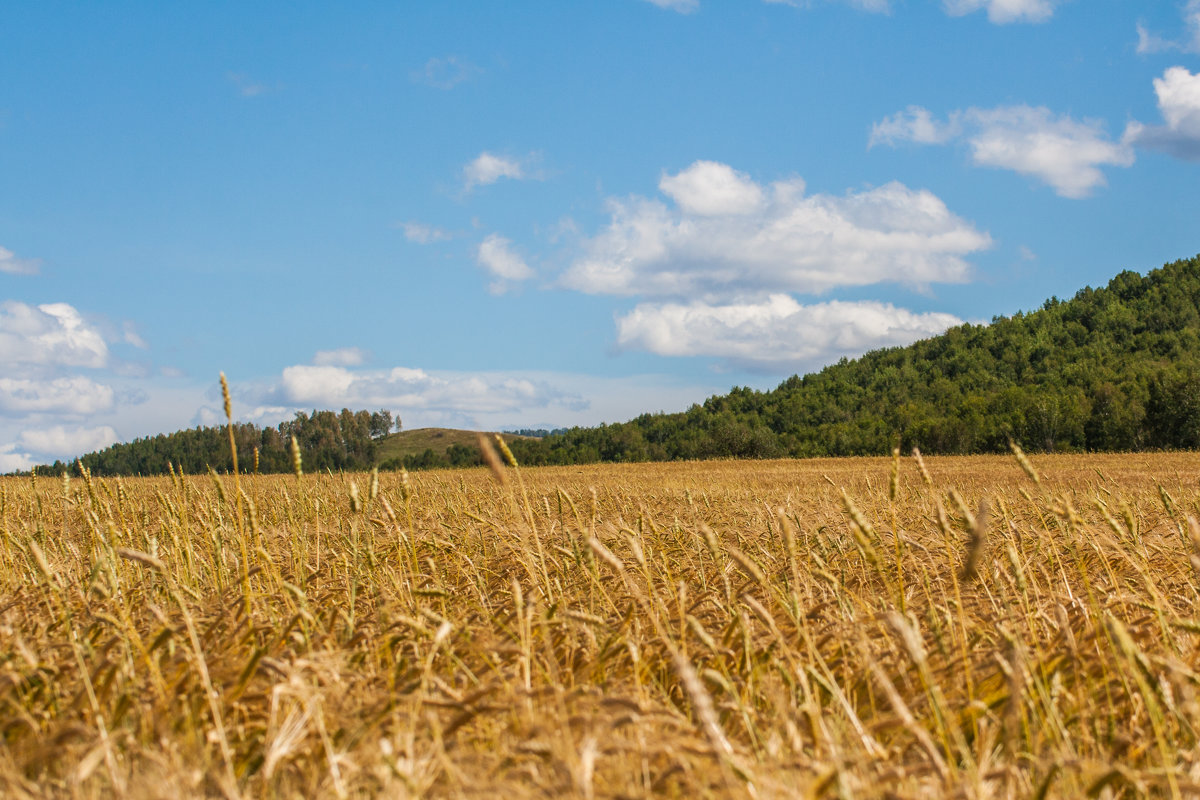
x,y
1112,369
537,433
327,440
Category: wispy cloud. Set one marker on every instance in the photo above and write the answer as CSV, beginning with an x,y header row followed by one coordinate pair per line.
x,y
496,255
1000,12
1004,12
681,6
11,265
423,233
1178,93
914,124
130,336
445,72
246,86
873,6
487,168
1058,150
1149,42
340,357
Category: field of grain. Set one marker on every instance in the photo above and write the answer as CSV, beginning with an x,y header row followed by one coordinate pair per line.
x,y
973,627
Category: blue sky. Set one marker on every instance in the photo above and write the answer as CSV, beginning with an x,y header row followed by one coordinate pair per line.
x,y
482,214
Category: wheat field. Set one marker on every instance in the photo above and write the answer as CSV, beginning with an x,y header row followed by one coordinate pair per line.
x,y
969,627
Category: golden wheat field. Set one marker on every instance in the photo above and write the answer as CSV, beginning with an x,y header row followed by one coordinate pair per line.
x,y
968,627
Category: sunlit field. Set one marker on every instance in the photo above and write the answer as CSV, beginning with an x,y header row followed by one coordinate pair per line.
x,y
970,627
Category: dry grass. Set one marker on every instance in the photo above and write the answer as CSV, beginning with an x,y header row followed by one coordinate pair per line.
x,y
770,629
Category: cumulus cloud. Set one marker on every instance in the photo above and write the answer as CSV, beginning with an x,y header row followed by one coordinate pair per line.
x,y
487,168
75,395
60,441
1003,12
12,461
726,235
51,334
776,334
445,72
710,189
11,265
1178,93
340,357
1058,150
422,233
1149,42
495,254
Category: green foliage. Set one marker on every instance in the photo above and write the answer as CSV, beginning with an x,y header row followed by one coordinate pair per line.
x,y
1112,369
328,440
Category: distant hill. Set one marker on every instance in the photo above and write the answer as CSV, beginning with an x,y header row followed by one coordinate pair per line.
x,y
422,448
327,440
1116,368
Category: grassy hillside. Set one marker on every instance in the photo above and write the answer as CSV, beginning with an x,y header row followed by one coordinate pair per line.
x,y
417,441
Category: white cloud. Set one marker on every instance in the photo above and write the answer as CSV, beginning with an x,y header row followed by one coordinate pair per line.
x,y
315,385
61,442
495,254
1179,103
12,461
51,334
1003,12
340,357
682,6
491,400
1149,42
487,168
11,265
422,233
788,242
74,395
914,124
710,189
1058,150
874,6
445,72
129,335
434,397
777,334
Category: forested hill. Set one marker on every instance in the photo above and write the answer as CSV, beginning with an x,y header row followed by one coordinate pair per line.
x,y
1116,368
327,440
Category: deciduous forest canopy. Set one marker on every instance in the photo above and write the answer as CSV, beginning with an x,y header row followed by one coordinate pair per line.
x,y
1116,368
